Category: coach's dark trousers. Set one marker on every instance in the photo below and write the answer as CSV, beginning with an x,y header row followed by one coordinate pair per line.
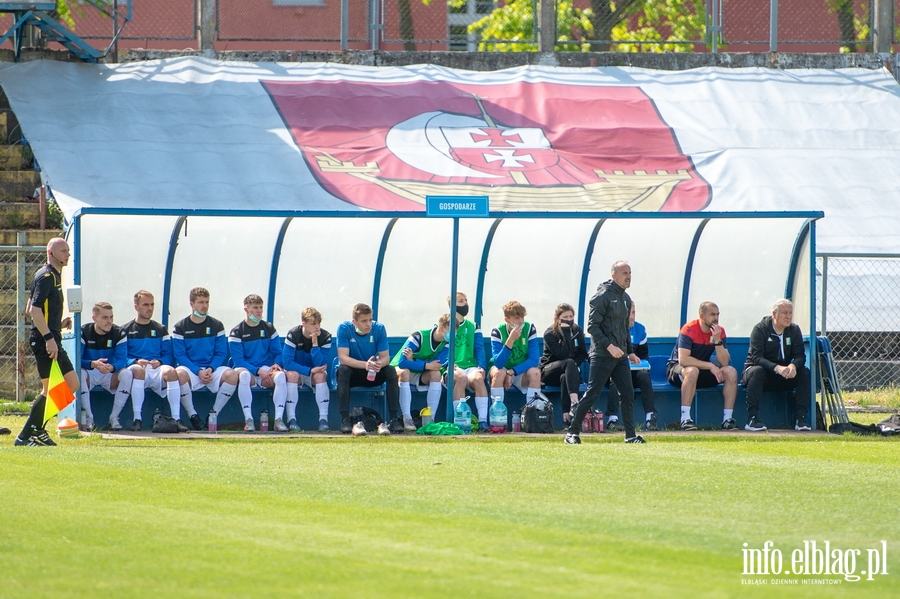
x,y
602,369
757,379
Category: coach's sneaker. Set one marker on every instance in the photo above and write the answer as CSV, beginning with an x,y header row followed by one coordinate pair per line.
x,y
729,424
347,426
635,439
114,424
396,425
408,424
196,423
323,426
40,435
573,439
137,425
651,424
802,424
359,429
249,426
755,425
688,425
384,429
279,425
613,426
294,427
181,427
5,431
29,442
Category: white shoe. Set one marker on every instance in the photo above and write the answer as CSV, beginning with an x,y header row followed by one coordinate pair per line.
x,y
88,424
248,425
384,429
280,426
408,424
114,423
359,430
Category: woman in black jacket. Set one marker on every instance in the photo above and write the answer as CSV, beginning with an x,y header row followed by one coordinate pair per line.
x,y
564,352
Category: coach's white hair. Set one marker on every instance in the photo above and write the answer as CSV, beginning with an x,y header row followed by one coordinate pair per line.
x,y
780,304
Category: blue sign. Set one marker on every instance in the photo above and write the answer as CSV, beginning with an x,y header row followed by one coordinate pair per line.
x,y
457,206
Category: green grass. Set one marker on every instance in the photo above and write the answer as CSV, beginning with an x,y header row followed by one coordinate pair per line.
x,y
415,517
887,397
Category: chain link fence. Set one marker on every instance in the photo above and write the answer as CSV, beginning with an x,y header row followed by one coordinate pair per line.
x,y
293,20
858,299
18,375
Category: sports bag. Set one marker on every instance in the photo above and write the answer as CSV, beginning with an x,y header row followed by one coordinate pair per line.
x,y
369,417
537,415
163,423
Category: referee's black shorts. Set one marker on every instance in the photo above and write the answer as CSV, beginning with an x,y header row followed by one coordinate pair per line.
x,y
39,349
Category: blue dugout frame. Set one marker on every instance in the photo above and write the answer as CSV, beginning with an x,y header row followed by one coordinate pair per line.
x,y
806,232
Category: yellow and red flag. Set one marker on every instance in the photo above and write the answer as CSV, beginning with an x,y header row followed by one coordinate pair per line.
x,y
58,393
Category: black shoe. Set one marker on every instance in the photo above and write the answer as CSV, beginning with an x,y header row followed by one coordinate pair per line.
x,y
4,431
40,435
755,425
729,425
196,422
635,439
651,424
802,424
573,439
396,425
613,426
346,426
181,427
29,442
137,425
688,425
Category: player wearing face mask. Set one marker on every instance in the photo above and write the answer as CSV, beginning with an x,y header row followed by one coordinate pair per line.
x,y
564,353
469,361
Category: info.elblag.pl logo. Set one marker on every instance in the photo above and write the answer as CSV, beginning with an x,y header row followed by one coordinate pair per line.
x,y
830,565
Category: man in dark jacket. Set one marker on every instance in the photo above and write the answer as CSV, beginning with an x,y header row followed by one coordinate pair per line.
x,y
776,361
610,347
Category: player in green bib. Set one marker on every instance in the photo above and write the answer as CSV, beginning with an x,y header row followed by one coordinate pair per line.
x,y
516,350
420,362
469,361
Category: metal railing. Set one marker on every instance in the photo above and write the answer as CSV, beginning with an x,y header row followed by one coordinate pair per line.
x,y
859,310
18,374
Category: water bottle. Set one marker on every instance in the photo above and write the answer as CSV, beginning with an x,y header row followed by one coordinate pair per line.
x,y
213,422
425,414
83,419
516,422
264,421
586,424
370,376
463,417
598,422
497,415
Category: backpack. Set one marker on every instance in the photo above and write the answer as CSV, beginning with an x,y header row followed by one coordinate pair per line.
x,y
163,423
890,426
537,415
369,417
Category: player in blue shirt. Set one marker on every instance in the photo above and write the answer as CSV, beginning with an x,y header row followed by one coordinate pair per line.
x,y
103,362
363,348
200,349
421,362
304,356
150,360
256,354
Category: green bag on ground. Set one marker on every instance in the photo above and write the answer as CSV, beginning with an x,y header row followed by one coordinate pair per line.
x,y
439,428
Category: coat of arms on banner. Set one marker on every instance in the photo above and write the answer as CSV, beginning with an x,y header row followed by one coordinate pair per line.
x,y
529,146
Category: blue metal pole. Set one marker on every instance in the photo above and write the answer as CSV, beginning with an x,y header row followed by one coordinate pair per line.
x,y
76,279
451,342
813,345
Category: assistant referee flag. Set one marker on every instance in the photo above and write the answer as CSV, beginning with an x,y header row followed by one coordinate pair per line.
x,y
58,394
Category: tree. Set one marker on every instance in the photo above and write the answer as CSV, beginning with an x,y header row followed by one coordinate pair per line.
x,y
852,28
662,23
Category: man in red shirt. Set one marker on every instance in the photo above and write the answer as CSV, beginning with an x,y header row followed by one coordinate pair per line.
x,y
700,360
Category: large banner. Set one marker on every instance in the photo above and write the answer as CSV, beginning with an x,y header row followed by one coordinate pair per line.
x,y
199,133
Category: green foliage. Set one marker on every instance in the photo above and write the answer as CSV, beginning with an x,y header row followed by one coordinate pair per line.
x,y
659,21
514,21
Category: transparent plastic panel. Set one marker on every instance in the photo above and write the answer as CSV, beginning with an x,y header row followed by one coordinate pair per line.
x,y
801,298
121,255
415,280
657,251
327,263
231,257
742,265
538,263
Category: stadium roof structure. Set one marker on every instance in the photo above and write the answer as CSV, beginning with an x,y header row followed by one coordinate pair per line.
x,y
708,181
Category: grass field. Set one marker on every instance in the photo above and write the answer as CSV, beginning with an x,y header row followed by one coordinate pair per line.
x,y
415,517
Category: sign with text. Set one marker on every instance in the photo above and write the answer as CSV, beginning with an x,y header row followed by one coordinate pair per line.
x,y
457,206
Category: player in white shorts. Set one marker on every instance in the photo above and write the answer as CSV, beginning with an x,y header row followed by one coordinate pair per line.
x,y
304,355
420,362
103,362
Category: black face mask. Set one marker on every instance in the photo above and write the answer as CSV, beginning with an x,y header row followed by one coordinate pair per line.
x,y
568,322
462,310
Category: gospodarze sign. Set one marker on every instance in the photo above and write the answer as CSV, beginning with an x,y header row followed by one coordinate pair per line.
x,y
457,206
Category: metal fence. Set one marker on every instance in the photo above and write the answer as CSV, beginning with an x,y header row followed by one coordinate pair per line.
x,y
423,25
858,298
18,375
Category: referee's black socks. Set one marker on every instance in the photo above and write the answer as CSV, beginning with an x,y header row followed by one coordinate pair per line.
x,y
35,418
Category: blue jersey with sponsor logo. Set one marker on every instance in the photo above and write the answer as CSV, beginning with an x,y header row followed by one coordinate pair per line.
x,y
362,347
254,346
112,346
198,346
149,341
299,354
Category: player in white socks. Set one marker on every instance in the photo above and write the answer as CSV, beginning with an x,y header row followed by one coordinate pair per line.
x,y
304,356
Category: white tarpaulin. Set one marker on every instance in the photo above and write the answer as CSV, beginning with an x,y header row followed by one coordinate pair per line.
x,y
198,133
